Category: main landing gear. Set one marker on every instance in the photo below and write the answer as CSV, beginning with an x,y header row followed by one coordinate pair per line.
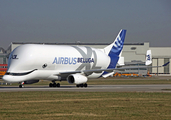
x,y
54,84
82,85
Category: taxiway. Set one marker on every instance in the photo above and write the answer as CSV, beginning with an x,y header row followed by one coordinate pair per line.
x,y
92,88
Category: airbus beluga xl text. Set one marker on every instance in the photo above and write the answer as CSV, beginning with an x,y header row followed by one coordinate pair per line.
x,y
29,63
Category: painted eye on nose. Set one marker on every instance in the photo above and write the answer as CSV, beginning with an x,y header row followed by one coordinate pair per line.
x,y
44,66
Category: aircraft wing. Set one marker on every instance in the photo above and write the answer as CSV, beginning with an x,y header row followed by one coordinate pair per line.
x,y
89,72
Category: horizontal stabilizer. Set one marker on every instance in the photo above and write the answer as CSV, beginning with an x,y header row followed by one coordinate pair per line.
x,y
166,63
108,74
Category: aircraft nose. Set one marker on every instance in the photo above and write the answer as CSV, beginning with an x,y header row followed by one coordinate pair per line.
x,y
6,78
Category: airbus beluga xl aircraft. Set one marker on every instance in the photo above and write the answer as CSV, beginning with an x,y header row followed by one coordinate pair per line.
x,y
30,63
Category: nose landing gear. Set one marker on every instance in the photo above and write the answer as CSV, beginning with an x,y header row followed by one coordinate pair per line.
x,y
21,85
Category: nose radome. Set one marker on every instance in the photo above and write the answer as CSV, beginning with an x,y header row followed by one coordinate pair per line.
x,y
7,78
4,78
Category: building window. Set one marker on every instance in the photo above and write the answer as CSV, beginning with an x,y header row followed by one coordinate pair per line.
x,y
133,48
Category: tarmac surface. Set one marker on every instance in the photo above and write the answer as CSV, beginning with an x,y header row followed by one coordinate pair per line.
x,y
92,88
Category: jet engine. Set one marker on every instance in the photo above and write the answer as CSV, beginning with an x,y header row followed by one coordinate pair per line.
x,y
77,79
31,81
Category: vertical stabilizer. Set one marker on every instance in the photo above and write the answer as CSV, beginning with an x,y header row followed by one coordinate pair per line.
x,y
117,45
148,58
121,60
114,49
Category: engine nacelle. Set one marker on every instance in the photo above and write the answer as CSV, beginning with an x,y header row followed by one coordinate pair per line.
x,y
77,79
31,81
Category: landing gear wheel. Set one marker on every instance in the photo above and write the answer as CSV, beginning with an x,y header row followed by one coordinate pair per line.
x,y
82,85
20,86
54,84
50,85
85,85
58,85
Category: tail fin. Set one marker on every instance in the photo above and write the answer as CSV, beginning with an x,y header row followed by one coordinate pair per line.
x,y
117,45
148,58
113,50
121,60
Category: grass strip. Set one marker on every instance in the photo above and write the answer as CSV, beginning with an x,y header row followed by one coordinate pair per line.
x,y
84,105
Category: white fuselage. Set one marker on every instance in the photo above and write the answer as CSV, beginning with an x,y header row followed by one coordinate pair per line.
x,y
31,62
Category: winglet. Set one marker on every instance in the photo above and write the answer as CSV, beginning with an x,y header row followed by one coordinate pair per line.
x,y
166,64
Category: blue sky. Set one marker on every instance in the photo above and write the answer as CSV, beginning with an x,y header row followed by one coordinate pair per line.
x,y
87,21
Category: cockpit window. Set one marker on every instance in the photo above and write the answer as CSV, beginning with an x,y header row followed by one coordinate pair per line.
x,y
19,74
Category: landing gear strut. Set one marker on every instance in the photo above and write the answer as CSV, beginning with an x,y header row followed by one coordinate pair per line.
x,y
82,85
54,84
21,85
